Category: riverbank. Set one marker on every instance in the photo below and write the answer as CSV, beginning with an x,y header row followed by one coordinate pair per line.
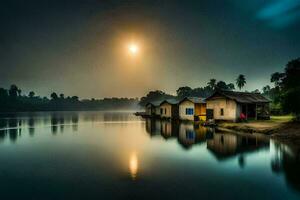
x,y
278,127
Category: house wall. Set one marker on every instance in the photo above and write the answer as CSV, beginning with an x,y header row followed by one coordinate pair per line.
x,y
200,109
157,110
168,108
229,107
148,109
182,110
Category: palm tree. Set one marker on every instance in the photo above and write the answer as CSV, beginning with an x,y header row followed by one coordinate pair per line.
x,y
212,83
241,81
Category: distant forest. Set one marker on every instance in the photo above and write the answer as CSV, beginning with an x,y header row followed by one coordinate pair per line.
x,y
12,100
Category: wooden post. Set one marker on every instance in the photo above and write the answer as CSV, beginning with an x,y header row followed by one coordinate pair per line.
x,y
256,111
246,111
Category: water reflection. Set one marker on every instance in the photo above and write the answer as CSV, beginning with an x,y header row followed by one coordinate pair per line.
x,y
12,125
226,145
287,161
133,165
187,134
190,157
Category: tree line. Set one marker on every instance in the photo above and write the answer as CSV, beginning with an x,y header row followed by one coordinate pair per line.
x,y
284,94
12,100
187,91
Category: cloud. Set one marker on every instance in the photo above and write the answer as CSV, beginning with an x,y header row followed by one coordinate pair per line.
x,y
280,13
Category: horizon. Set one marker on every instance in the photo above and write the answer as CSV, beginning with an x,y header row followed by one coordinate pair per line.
x,y
79,48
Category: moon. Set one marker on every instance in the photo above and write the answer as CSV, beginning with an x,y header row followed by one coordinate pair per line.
x,y
133,49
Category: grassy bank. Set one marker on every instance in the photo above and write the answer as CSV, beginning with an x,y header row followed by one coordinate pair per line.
x,y
279,127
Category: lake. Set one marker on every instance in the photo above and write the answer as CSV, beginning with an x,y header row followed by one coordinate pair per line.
x,y
116,155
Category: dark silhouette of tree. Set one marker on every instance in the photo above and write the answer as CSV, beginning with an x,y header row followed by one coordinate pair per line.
x,y
54,96
3,93
240,81
156,95
212,83
13,91
31,94
221,85
184,92
61,96
230,86
276,78
266,90
290,88
74,98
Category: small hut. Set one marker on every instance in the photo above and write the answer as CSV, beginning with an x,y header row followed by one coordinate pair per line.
x,y
169,109
231,105
192,108
153,108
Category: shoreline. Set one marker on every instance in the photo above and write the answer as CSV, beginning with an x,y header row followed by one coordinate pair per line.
x,y
281,128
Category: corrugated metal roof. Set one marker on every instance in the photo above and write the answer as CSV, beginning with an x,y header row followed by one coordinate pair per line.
x,y
194,99
170,101
154,103
242,97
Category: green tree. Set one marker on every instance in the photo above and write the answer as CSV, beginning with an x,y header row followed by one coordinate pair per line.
x,y
31,94
184,91
13,91
230,86
276,78
241,81
290,87
61,96
212,83
54,96
221,85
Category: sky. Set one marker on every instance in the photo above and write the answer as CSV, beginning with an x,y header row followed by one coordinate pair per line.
x,y
81,47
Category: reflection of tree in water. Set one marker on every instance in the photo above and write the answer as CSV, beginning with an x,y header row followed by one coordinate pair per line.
x,y
14,131
3,133
54,124
60,120
3,123
75,120
61,123
287,161
31,128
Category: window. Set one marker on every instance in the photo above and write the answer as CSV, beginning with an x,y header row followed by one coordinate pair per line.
x,y
161,111
189,111
165,111
222,112
189,134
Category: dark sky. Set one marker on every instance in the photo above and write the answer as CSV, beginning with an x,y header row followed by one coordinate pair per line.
x,y
78,47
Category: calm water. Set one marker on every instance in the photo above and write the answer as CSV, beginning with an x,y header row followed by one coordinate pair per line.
x,y
97,155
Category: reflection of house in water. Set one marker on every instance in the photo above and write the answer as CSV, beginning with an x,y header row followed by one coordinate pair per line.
x,y
153,127
164,128
190,134
187,134
287,162
225,145
169,129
